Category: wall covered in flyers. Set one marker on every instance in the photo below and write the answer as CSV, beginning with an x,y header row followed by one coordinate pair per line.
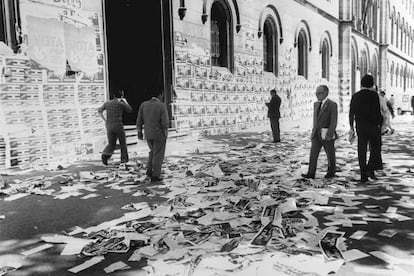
x,y
245,85
214,100
49,93
43,118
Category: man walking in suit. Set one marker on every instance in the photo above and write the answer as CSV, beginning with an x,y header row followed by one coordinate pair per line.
x,y
273,113
325,117
365,111
114,127
153,115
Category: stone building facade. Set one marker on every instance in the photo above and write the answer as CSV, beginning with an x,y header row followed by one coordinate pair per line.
x,y
288,45
314,42
216,61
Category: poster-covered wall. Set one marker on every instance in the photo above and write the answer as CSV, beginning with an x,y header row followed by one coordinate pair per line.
x,y
211,99
49,92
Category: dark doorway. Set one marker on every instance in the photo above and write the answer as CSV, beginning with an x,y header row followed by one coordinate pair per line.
x,y
134,36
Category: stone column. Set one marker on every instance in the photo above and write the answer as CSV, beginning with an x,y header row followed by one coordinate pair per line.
x,y
344,48
383,44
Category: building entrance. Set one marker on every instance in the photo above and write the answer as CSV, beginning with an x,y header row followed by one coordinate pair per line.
x,y
138,50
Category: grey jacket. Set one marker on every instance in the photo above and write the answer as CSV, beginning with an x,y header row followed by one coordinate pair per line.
x,y
153,116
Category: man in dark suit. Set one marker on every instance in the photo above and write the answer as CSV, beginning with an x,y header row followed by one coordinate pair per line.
x,y
365,111
325,118
273,113
153,115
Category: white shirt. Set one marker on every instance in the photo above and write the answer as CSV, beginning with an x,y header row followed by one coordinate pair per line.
x,y
324,101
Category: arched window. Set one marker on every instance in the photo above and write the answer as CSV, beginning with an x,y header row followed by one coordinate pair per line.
x,y
302,54
397,21
405,78
374,68
375,19
354,10
402,36
392,29
396,75
270,50
10,23
363,64
412,79
325,59
407,38
221,35
353,68
412,45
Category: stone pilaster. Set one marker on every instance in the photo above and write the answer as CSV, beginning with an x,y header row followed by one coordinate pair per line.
x,y
344,74
383,44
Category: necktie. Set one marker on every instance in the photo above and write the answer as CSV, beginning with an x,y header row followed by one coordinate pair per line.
x,y
319,108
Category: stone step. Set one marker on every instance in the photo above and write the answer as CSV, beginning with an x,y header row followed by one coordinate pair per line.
x,y
132,137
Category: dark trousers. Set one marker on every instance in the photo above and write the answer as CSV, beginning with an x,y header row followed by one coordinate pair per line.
x,y
274,124
156,156
114,132
372,135
377,162
329,147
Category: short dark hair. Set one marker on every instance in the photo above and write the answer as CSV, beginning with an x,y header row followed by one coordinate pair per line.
x,y
156,92
367,81
118,93
273,91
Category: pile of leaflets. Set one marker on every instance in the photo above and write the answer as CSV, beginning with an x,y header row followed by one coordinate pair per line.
x,y
239,211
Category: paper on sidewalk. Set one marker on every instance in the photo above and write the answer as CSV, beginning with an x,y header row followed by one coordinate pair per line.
x,y
116,266
36,249
91,262
358,235
353,254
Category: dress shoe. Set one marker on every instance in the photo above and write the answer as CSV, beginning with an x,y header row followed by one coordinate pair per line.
x,y
104,159
329,175
307,175
156,179
371,175
364,179
276,141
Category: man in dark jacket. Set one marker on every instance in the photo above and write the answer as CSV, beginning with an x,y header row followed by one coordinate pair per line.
x,y
153,118
365,111
412,103
273,113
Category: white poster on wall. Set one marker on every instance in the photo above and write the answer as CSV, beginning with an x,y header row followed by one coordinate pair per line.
x,y
80,45
46,43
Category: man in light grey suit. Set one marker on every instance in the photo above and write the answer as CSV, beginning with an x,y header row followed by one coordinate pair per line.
x,y
153,115
325,118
